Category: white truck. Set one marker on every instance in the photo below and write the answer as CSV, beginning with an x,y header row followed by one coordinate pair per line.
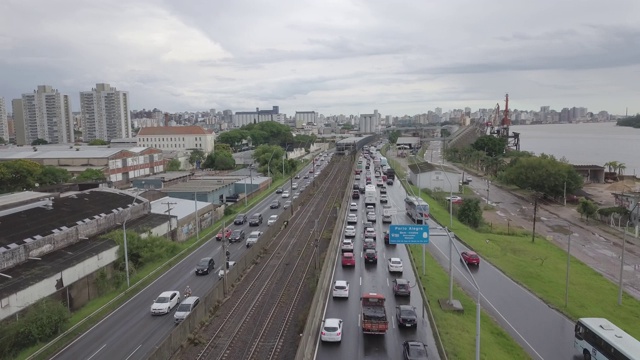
x,y
370,195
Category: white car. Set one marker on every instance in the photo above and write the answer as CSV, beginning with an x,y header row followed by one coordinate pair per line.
x,y
353,207
453,198
350,231
331,330
371,216
352,219
347,245
165,303
370,233
370,208
294,186
272,220
253,238
286,204
384,199
395,265
341,289
285,194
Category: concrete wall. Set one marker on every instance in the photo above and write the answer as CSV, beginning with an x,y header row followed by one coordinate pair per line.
x,y
66,237
213,298
22,299
433,180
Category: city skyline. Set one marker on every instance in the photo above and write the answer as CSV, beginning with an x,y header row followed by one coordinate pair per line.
x,y
342,57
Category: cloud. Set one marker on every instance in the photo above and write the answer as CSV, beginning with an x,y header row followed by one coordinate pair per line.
x,y
334,56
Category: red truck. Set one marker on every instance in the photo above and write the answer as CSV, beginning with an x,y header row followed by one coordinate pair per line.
x,y
374,316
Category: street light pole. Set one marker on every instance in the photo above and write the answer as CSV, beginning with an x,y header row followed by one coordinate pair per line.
x,y
450,195
124,231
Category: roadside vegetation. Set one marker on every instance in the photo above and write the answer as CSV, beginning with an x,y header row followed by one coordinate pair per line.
x,y
149,258
631,121
458,330
540,266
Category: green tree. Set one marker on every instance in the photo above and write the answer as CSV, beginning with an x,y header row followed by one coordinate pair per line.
x,y
491,145
543,174
632,121
232,137
393,136
347,126
304,141
39,142
51,175
173,165
98,142
142,251
19,175
269,154
3,141
219,160
195,156
222,147
587,208
470,212
91,175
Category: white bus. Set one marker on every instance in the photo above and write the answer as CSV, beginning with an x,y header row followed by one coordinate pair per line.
x,y
599,339
370,195
417,209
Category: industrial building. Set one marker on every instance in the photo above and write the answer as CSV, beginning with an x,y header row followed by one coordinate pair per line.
x,y
435,177
241,118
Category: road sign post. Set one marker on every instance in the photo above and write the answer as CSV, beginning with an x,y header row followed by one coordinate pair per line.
x,y
409,234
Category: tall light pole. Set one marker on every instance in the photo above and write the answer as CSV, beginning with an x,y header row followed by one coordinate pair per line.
x,y
124,231
269,169
450,195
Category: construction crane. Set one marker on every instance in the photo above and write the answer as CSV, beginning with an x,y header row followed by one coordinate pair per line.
x,y
499,126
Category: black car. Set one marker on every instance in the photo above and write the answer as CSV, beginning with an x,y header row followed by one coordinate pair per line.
x,y
240,219
401,287
275,204
370,256
305,177
279,191
355,195
356,187
414,350
297,177
361,189
383,190
255,219
407,317
389,181
237,235
205,266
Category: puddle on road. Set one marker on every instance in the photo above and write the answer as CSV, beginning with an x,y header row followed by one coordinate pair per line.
x,y
560,229
607,253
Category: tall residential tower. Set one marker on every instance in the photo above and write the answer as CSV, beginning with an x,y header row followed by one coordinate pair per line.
x,y
4,124
44,114
105,113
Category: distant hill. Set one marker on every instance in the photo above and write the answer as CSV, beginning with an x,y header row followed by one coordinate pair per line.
x,y
633,122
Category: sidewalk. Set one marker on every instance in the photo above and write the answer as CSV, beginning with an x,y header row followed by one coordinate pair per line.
x,y
598,246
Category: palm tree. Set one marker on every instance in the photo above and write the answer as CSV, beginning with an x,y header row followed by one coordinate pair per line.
x,y
621,168
611,165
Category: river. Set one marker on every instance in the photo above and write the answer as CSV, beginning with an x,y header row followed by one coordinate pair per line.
x,y
584,144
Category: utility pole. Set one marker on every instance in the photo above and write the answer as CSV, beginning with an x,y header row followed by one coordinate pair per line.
x,y
195,203
488,184
566,290
535,213
565,193
624,246
226,257
169,208
317,243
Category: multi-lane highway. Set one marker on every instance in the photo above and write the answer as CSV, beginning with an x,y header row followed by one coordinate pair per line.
x,y
131,332
364,278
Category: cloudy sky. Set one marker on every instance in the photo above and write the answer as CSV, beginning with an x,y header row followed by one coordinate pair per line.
x,y
332,56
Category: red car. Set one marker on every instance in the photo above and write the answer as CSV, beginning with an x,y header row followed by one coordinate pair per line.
x,y
386,238
470,257
227,234
348,259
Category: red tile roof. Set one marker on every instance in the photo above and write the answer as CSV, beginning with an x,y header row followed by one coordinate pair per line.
x,y
173,130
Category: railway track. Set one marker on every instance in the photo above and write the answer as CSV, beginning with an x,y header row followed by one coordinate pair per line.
x,y
256,324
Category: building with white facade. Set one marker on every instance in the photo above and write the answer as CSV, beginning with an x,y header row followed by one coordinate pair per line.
x,y
105,113
171,138
4,124
44,114
369,123
435,177
302,118
241,118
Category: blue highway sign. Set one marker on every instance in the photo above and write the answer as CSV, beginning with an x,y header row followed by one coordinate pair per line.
x,y
409,234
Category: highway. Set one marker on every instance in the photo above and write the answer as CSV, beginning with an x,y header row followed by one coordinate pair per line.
x,y
541,331
375,278
131,332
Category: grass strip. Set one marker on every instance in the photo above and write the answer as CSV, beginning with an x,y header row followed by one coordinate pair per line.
x,y
458,330
541,266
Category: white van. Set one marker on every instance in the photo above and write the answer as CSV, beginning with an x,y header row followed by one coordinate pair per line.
x,y
185,308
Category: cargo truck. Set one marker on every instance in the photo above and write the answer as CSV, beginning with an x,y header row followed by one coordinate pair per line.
x,y
374,315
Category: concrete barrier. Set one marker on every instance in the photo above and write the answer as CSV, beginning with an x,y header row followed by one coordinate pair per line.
x,y
307,344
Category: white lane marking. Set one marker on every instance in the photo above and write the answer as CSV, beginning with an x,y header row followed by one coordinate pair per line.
x,y
94,354
360,280
393,322
490,304
359,319
388,282
134,351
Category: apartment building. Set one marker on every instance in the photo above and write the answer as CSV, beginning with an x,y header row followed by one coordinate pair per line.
x,y
44,114
105,113
171,138
241,118
4,124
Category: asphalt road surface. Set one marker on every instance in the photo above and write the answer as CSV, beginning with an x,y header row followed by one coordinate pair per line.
x,y
131,332
542,331
374,278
